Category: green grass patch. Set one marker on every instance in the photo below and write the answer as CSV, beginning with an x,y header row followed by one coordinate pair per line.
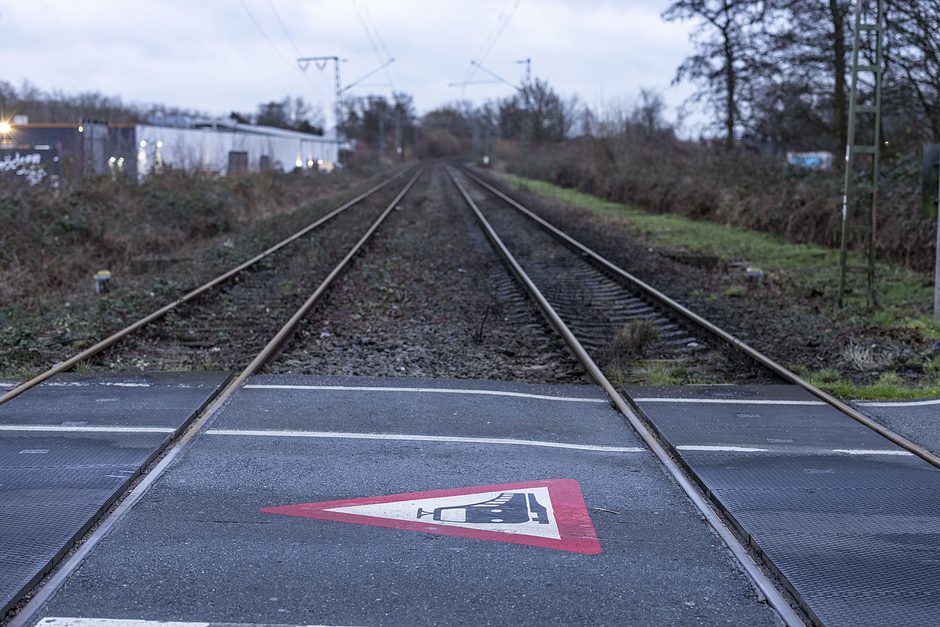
x,y
905,297
889,387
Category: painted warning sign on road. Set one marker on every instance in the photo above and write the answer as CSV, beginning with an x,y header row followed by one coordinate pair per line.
x,y
549,514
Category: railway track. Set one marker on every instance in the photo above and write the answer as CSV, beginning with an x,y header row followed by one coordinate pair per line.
x,y
551,249
274,344
587,300
234,308
582,295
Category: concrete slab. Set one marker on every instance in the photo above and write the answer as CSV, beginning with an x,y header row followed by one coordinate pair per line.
x,y
850,520
152,399
198,547
65,456
918,421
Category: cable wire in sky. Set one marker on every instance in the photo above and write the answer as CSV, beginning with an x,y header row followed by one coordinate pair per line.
x,y
284,28
300,53
502,21
257,24
388,54
274,46
375,46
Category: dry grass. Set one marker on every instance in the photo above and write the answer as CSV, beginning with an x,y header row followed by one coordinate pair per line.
x,y
629,344
53,238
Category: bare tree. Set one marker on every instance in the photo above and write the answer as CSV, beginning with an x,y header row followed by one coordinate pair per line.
x,y
914,34
808,41
537,112
727,63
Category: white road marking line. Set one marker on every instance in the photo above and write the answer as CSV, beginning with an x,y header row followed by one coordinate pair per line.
x,y
7,385
86,429
723,449
345,388
729,401
924,403
420,438
858,451
85,384
54,621
57,621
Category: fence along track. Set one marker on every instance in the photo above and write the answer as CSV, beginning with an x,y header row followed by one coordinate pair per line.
x,y
159,313
45,592
680,310
753,571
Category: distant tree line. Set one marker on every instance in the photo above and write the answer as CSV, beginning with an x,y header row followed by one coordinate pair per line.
x,y
57,106
535,114
777,72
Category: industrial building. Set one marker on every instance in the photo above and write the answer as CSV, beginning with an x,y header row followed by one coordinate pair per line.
x,y
133,151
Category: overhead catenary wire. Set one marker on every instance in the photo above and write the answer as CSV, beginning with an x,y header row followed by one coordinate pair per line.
x,y
287,34
274,46
380,40
374,43
501,23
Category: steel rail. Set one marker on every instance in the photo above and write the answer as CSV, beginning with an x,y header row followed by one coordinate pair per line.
x,y
159,313
701,502
219,402
780,370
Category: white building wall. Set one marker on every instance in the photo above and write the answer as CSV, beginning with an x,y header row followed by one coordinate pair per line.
x,y
208,150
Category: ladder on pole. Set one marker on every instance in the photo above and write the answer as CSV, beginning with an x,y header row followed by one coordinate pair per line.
x,y
863,150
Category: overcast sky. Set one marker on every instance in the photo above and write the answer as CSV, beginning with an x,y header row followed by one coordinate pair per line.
x,y
220,55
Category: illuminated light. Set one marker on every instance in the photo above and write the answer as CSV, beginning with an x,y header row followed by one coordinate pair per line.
x,y
160,144
143,143
309,163
112,159
5,127
319,161
81,129
121,161
299,163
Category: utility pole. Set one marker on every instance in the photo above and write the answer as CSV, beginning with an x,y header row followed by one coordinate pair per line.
x,y
528,70
321,62
399,150
382,135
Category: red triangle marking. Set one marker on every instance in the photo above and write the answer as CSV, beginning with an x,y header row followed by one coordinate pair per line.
x,y
562,523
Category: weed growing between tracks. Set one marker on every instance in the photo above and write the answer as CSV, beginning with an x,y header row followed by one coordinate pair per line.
x,y
785,309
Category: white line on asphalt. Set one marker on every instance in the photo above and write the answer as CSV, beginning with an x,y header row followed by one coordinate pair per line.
x,y
729,401
859,451
723,449
924,403
85,384
420,438
7,385
86,429
345,388
55,621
